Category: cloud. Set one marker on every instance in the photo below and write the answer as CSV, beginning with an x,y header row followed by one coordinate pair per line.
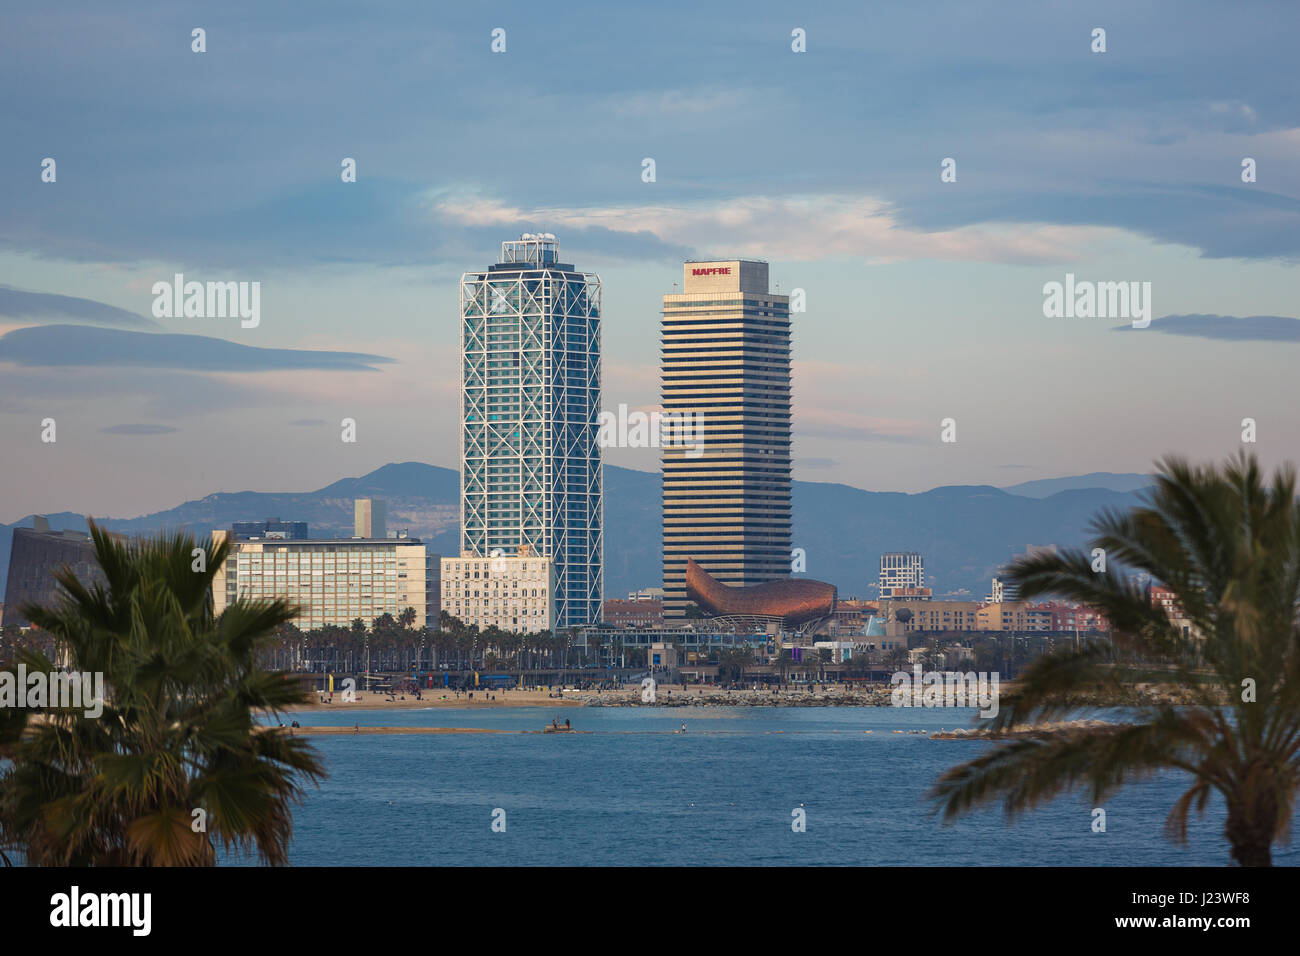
x,y
75,345
1226,328
47,307
138,430
800,228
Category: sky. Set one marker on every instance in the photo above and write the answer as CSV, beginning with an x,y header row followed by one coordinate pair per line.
x,y
924,297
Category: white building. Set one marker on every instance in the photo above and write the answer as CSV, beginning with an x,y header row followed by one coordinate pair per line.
x,y
334,581
513,593
900,569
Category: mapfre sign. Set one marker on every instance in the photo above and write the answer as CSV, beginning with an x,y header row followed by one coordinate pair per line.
x,y
712,271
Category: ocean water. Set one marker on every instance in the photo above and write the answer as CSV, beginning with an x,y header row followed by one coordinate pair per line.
x,y
633,793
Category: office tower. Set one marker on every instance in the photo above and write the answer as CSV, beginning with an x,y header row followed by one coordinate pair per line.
x,y
331,580
370,518
726,364
530,403
901,572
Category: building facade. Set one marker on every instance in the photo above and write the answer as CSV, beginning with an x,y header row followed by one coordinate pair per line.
x,y
334,581
634,613
726,367
900,569
36,554
513,593
272,528
530,403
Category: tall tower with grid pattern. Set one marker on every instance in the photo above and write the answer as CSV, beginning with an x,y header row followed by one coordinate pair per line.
x,y
530,404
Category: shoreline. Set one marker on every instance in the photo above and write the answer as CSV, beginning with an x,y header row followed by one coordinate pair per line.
x,y
676,695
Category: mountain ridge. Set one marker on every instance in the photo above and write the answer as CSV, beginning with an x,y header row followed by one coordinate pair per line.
x,y
965,532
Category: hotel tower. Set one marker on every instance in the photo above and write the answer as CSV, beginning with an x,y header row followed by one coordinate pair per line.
x,y
531,482
726,363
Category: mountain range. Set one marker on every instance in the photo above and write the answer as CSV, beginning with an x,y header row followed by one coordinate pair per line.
x,y
965,532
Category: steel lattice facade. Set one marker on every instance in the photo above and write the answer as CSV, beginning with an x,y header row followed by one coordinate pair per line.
x,y
530,403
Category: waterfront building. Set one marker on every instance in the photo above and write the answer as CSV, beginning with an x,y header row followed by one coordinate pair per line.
x,y
333,581
512,592
633,613
530,401
726,368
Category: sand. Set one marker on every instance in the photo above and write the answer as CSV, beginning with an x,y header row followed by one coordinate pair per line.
x,y
441,698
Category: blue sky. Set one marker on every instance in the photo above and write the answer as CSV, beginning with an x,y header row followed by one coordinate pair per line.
x,y
924,298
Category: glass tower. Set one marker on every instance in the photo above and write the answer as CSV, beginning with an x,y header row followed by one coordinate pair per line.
x,y
530,405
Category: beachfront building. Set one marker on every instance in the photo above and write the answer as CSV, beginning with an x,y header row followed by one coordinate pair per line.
x,y
630,613
530,401
511,592
726,368
334,581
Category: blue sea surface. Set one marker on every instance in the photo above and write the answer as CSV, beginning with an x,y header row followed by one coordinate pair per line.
x,y
631,792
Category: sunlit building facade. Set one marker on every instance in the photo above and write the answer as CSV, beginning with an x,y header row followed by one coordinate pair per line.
x,y
726,365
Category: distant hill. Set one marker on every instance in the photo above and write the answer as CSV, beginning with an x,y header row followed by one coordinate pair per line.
x,y
1113,481
965,532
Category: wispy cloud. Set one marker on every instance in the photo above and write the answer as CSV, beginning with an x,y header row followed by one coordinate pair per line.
x,y
800,228
1226,328
46,307
74,345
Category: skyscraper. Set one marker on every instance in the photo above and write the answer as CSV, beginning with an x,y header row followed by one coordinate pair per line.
x,y
530,402
726,363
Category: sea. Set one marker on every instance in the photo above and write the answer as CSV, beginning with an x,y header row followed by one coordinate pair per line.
x,y
741,786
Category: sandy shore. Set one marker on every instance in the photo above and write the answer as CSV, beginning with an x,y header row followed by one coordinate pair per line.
x,y
666,695
441,698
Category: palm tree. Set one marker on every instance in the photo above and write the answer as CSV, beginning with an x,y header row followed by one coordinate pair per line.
x,y
177,742
1226,542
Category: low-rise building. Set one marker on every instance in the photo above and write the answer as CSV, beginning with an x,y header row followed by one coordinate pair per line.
x,y
333,581
513,593
647,613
